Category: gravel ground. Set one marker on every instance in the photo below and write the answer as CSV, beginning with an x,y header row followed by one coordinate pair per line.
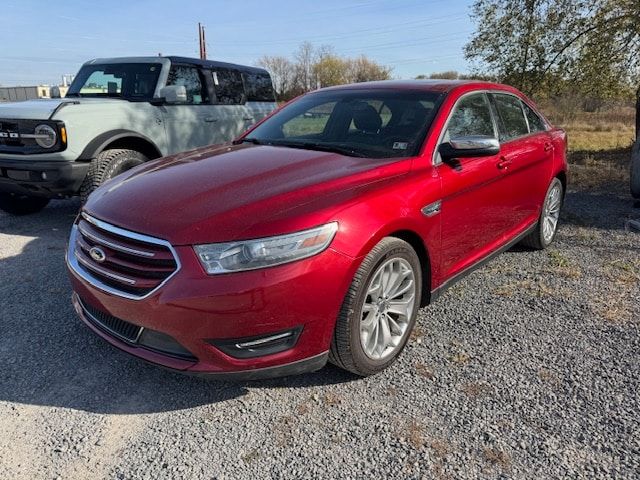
x,y
529,368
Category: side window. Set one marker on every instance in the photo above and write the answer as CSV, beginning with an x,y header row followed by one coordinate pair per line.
x,y
259,87
510,111
472,116
189,77
310,123
535,122
228,86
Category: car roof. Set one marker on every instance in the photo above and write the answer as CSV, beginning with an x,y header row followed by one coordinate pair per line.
x,y
176,59
433,85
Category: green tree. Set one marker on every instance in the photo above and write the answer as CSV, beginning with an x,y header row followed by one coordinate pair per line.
x,y
549,46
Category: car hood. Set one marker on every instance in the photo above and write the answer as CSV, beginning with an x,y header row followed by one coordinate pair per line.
x,y
43,109
224,193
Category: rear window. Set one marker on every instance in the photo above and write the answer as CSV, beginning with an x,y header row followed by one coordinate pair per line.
x,y
228,86
258,87
512,117
535,122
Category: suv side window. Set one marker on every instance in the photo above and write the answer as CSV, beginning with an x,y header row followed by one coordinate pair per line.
x,y
259,87
535,122
228,86
190,78
472,116
512,115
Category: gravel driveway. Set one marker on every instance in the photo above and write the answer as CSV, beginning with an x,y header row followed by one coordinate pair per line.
x,y
529,368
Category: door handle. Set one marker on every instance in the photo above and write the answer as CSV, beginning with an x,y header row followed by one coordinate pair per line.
x,y
210,119
504,163
548,147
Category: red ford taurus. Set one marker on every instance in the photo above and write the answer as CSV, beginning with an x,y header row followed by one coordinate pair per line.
x,y
318,234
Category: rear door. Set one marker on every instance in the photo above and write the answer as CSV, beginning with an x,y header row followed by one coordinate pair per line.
x,y
234,117
185,123
475,198
526,158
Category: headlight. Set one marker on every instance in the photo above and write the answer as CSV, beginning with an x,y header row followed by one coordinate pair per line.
x,y
45,136
265,252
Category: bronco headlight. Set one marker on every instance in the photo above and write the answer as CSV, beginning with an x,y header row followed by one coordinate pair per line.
x,y
264,252
45,136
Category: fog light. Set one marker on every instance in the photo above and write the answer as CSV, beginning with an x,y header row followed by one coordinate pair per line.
x,y
251,347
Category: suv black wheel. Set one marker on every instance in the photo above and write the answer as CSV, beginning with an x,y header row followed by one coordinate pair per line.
x,y
21,204
379,310
107,165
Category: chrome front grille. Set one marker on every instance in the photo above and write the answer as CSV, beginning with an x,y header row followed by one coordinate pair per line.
x,y
119,261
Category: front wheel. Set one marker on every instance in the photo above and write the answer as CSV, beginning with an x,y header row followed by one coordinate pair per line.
x,y
379,310
21,204
107,165
547,226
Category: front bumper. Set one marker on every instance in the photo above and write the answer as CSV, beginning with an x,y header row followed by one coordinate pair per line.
x,y
51,179
197,311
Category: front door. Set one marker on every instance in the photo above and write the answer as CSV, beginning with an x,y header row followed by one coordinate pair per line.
x,y
187,124
475,196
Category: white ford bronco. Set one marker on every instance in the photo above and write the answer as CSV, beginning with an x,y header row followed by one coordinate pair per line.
x,y
119,113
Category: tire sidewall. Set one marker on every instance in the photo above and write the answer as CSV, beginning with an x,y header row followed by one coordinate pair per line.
x,y
554,182
359,356
121,164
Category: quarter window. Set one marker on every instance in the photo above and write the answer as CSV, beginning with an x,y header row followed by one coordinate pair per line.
x,y
189,77
535,122
258,87
513,122
472,116
228,87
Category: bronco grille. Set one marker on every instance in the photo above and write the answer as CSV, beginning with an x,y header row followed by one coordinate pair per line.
x,y
118,261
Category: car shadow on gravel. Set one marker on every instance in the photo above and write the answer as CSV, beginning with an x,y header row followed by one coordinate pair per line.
x,y
599,209
49,357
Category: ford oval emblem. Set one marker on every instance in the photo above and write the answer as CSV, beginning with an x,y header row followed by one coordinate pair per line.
x,y
98,254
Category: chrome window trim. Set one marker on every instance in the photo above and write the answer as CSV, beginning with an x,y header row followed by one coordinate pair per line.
x,y
81,272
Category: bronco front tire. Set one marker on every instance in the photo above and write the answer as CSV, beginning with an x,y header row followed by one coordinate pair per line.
x,y
107,165
21,204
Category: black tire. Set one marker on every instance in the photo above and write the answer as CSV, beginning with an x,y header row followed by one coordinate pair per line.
x,y
535,240
21,204
107,165
635,170
346,349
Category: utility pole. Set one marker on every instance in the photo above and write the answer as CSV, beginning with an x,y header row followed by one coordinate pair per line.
x,y
203,43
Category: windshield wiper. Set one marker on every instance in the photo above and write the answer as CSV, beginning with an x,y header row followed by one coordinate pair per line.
x,y
255,141
323,147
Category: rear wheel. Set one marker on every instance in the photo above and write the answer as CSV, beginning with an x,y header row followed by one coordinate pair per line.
x,y
379,310
547,227
21,204
107,165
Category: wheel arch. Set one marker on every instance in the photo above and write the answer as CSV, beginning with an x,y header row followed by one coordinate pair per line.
x,y
562,176
416,242
125,139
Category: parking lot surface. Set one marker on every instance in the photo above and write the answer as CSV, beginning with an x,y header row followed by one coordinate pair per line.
x,y
528,368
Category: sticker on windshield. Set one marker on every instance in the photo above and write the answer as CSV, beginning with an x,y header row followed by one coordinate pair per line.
x,y
400,145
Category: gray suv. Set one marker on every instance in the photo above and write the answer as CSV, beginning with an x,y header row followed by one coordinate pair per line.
x,y
119,113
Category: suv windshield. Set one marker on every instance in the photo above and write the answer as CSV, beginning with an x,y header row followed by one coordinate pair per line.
x,y
375,124
131,81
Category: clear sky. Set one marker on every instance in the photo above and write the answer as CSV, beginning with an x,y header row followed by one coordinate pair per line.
x,y
41,40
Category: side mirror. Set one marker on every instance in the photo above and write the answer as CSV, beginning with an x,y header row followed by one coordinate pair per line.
x,y
174,94
469,146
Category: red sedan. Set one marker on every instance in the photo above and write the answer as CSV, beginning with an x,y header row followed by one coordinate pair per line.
x,y
318,234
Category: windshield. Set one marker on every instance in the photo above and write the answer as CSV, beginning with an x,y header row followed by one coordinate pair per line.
x,y
374,124
131,81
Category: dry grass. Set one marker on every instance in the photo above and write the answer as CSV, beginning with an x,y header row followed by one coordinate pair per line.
x,y
475,390
497,457
536,288
424,371
559,264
